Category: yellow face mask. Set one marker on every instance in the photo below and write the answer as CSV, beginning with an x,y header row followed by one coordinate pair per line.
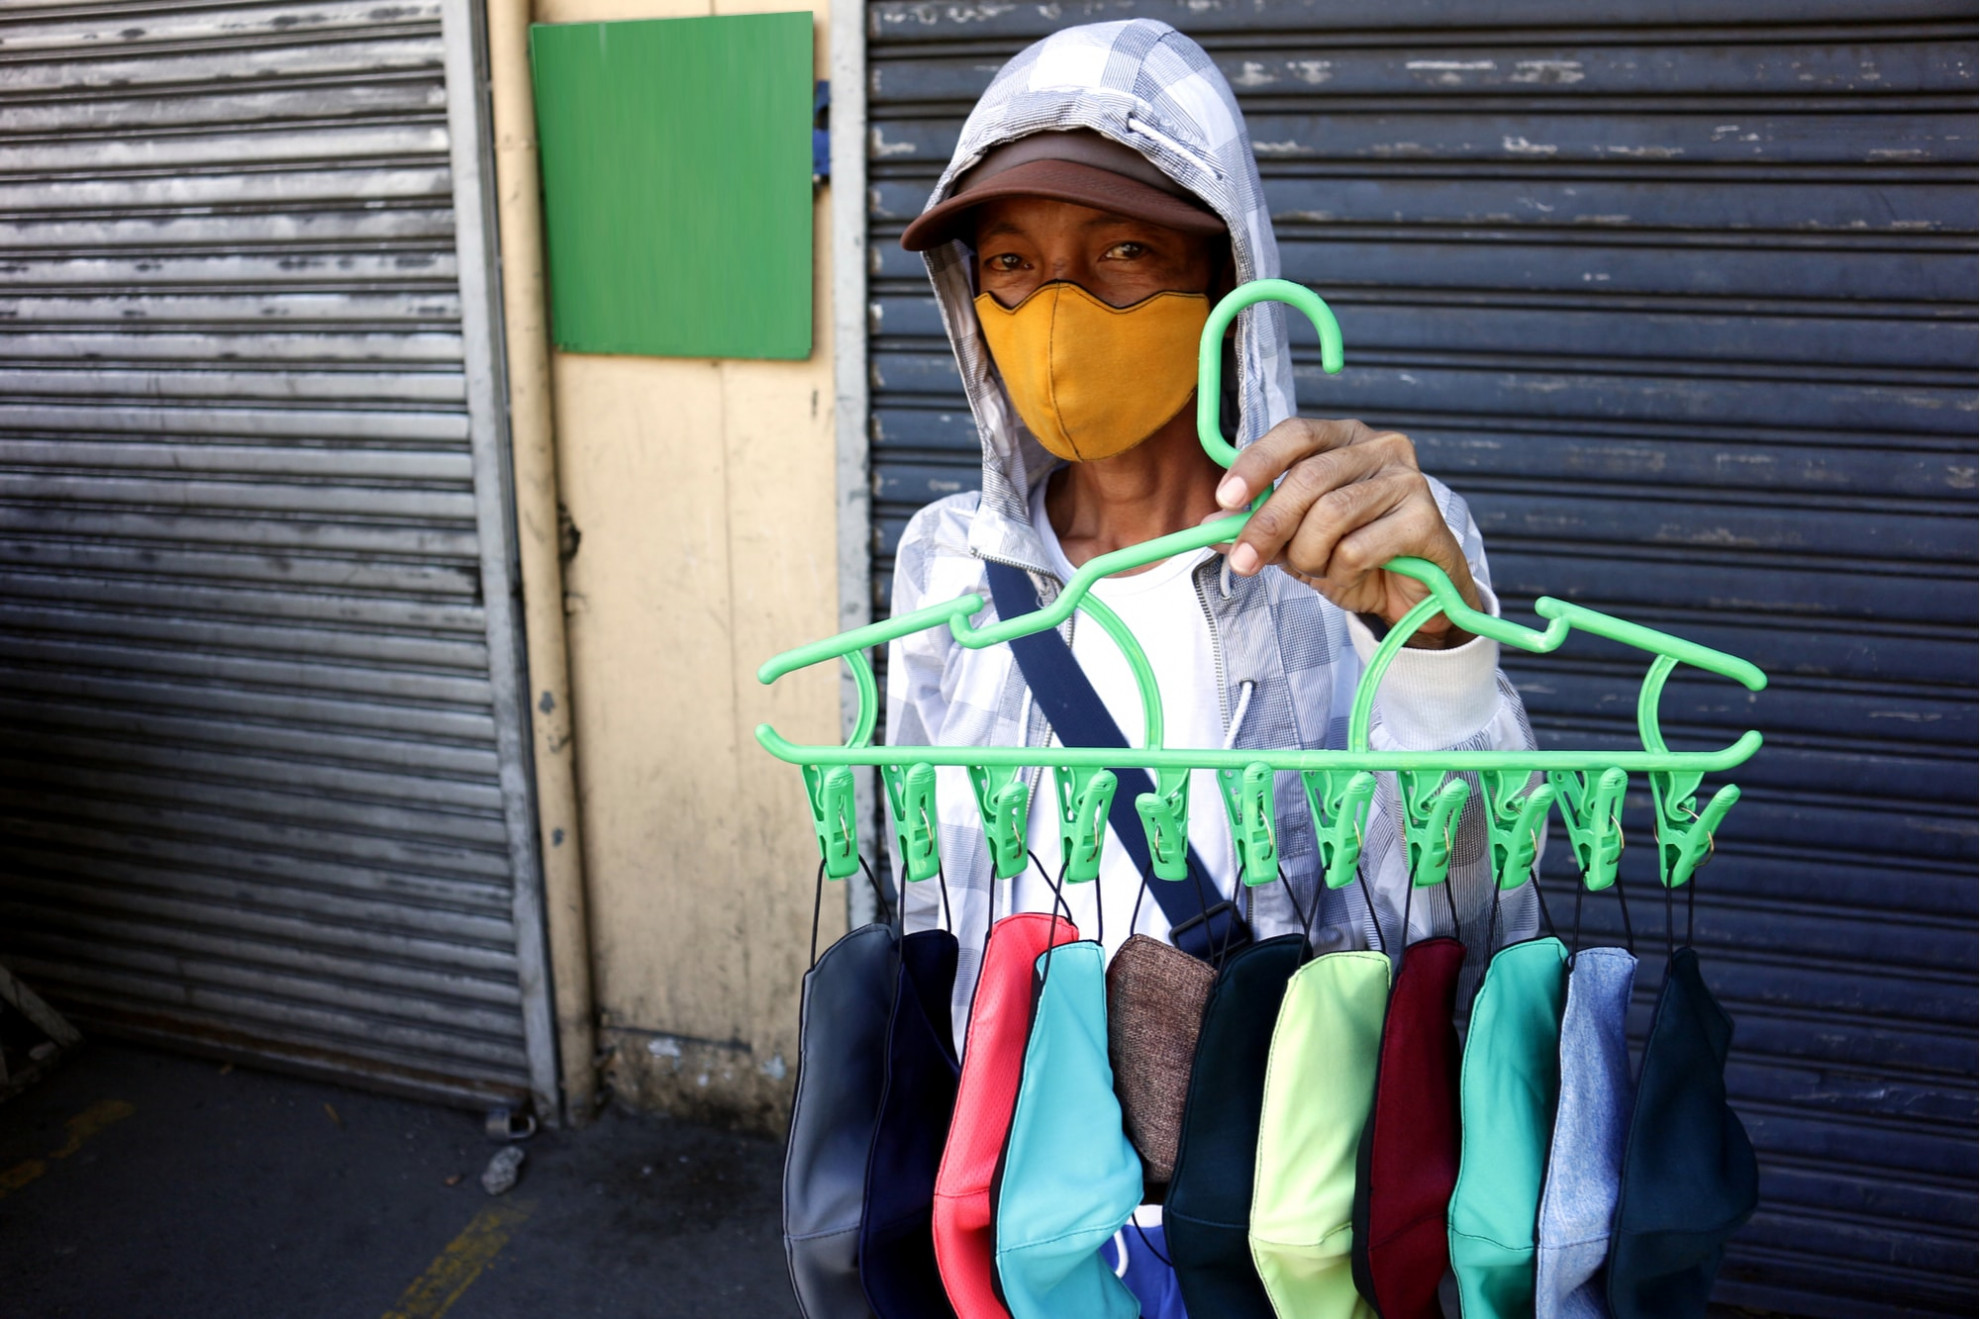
x,y
1092,380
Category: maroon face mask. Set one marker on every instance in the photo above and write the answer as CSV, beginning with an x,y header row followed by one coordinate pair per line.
x,y
1409,1149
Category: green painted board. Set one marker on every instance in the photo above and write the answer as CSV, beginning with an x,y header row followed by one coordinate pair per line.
x,y
677,184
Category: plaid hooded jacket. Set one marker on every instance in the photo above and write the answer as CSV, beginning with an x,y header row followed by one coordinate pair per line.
x,y
1288,658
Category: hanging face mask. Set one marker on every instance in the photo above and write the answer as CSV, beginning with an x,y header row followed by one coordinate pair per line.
x,y
1092,380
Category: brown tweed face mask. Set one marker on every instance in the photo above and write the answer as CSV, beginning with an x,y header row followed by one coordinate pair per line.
x,y
1155,1000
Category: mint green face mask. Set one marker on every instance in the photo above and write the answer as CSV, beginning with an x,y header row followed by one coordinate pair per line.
x,y
1319,1086
1510,1088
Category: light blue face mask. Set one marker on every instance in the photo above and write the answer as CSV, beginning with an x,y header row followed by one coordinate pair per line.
x,y
1584,1172
1509,1089
1070,1178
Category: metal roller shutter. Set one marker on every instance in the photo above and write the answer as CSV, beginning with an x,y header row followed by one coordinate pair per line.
x,y
1684,303
260,782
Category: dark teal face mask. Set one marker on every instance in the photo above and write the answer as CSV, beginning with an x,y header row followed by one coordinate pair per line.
x,y
1689,1178
1508,1092
1207,1215
1069,1178
848,996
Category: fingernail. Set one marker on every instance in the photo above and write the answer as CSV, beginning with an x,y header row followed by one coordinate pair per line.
x,y
1244,560
1231,493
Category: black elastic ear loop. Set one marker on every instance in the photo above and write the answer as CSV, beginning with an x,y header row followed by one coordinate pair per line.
x,y
1670,926
1381,938
1149,1245
880,896
1541,897
1629,933
1099,908
817,905
1574,950
1134,917
1691,907
942,878
1491,941
1196,883
1052,932
1305,918
1450,901
1409,898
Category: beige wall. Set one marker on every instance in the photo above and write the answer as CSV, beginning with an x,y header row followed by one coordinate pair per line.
x,y
703,495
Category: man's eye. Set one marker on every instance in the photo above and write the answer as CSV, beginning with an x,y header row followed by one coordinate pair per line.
x,y
1125,251
1004,261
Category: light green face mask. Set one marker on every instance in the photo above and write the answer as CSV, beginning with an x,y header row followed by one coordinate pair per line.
x,y
1319,1087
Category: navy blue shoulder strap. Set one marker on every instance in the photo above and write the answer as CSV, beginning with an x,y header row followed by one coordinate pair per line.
x,y
1202,922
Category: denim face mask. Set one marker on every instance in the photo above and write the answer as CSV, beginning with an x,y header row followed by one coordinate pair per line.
x,y
1584,1170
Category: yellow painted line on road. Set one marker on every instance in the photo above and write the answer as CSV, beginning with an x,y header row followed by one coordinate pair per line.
x,y
81,1127
434,1292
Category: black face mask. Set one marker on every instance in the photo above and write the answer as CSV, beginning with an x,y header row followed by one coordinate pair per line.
x,y
1207,1215
848,996
1689,1176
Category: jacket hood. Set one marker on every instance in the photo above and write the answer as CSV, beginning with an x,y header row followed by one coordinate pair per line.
x,y
1149,87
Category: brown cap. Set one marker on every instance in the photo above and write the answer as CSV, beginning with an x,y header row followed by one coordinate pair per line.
x,y
1079,166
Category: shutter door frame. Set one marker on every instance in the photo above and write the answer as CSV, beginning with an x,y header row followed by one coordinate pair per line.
x,y
239,868
1759,246
471,122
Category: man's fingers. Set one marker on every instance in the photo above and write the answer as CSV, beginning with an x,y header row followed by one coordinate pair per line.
x,y
1311,480
1262,463
1318,548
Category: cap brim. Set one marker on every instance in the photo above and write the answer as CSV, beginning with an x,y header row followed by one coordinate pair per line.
x,y
1059,180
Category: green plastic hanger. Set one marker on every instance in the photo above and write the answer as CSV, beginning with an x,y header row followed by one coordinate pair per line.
x,y
1582,782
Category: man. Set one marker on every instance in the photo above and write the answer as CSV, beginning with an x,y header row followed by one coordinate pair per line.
x,y
1102,195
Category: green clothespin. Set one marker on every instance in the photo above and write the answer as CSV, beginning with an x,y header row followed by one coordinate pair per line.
x,y
1248,802
1005,803
1514,817
1339,802
1085,797
1431,803
1165,819
911,792
1684,835
832,815
1592,811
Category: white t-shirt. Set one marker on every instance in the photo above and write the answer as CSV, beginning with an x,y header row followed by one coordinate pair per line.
x,y
1161,608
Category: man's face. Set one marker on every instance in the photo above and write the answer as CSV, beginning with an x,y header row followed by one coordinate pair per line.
x,y
1025,242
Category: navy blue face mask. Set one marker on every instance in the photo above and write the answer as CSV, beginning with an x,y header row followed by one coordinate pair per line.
x,y
896,1240
1207,1215
1689,1176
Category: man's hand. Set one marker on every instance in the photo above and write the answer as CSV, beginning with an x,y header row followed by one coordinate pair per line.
x,y
1352,499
